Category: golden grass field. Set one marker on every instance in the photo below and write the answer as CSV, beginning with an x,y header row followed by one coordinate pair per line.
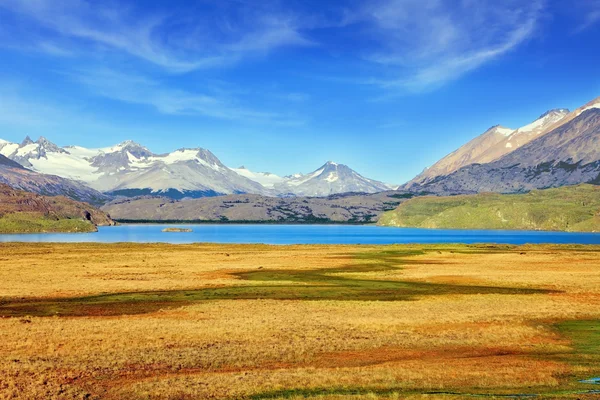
x,y
158,321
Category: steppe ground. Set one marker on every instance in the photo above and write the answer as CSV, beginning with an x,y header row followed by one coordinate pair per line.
x,y
129,321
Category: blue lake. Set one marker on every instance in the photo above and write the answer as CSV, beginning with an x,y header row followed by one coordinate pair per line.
x,y
304,234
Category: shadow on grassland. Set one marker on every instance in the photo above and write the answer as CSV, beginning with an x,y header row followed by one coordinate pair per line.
x,y
280,284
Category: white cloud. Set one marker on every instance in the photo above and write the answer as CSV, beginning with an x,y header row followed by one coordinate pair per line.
x,y
167,100
118,28
431,43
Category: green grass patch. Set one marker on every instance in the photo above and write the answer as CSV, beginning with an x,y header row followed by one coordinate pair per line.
x,y
30,222
585,353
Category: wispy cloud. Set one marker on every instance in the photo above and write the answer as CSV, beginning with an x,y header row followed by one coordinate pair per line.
x,y
431,43
170,101
409,45
590,9
147,37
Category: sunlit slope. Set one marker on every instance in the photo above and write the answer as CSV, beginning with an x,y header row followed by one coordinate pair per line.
x,y
569,208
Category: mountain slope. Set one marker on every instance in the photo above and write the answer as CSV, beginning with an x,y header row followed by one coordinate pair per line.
x,y
520,137
568,155
465,155
492,145
25,212
571,208
189,172
18,177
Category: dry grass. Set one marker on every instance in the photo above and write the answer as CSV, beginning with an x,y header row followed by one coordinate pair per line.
x,y
326,349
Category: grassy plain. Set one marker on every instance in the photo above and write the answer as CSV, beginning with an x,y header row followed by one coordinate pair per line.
x,y
322,322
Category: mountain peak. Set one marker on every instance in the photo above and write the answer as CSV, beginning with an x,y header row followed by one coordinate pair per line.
x,y
26,141
44,142
47,146
136,149
128,143
555,111
332,165
330,178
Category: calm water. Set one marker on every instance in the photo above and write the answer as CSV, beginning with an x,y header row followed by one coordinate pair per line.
x,y
304,234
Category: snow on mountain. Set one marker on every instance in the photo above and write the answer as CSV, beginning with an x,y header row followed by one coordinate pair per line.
x,y
331,178
15,175
523,135
589,106
130,169
193,172
531,131
266,179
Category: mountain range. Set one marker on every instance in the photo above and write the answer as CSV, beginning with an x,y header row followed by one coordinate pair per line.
x,y
130,169
559,148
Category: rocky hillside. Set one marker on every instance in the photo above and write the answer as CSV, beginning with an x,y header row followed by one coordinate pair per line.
x,y
25,212
349,208
570,208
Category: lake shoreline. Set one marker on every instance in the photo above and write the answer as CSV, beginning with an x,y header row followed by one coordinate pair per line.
x,y
281,234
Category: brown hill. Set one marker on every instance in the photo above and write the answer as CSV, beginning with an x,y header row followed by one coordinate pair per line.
x,y
25,212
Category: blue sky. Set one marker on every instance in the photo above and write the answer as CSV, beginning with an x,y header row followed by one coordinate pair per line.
x,y
385,86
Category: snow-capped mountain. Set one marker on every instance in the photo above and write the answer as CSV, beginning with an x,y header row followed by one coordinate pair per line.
x,y
331,178
131,169
493,144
